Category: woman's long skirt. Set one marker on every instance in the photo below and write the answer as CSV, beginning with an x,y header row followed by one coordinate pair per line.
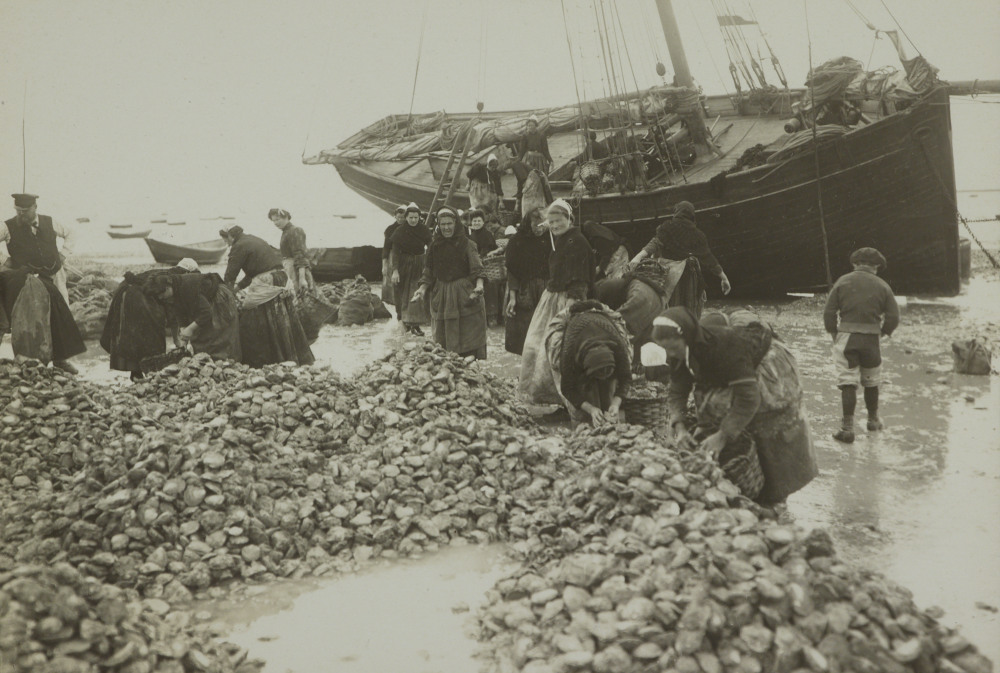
x,y
411,268
779,428
516,327
536,383
222,339
135,329
494,292
458,323
67,340
272,333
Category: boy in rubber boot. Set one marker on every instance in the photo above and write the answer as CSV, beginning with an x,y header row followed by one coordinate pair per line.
x,y
867,310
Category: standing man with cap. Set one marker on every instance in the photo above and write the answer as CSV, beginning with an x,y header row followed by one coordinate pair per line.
x,y
31,244
867,310
41,246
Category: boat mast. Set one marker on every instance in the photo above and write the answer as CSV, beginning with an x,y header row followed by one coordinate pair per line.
x,y
682,73
682,76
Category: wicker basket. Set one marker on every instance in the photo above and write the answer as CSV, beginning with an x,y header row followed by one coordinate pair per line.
x,y
741,464
650,412
155,363
495,268
509,218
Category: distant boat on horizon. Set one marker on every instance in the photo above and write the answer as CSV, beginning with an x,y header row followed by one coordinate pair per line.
x,y
138,233
81,220
175,224
121,226
157,221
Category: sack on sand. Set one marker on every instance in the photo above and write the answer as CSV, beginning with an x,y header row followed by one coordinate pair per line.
x,y
355,309
972,356
30,322
313,312
379,311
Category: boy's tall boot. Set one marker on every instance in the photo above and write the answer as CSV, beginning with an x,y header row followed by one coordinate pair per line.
x,y
849,400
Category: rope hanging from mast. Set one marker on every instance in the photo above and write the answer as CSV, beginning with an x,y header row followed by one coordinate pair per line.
x,y
900,26
572,63
416,73
481,73
819,186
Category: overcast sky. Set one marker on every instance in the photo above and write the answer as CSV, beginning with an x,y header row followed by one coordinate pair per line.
x,y
141,107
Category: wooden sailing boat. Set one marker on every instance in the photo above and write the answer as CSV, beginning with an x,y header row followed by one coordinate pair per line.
x,y
782,208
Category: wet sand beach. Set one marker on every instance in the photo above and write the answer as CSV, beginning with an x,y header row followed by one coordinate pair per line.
x,y
918,501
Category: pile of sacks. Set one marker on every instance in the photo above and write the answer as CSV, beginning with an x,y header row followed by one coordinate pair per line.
x,y
356,303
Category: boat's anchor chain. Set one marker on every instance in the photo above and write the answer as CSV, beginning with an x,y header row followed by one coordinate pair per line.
x,y
993,260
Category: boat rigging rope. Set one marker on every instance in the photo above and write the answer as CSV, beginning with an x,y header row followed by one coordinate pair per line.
x,y
900,26
572,63
483,37
715,66
644,18
775,63
819,185
416,73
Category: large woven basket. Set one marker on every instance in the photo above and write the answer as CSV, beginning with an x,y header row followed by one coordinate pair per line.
x,y
155,363
509,218
495,268
650,412
741,464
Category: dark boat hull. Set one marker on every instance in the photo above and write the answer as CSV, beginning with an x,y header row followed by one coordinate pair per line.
x,y
333,264
890,185
167,253
130,234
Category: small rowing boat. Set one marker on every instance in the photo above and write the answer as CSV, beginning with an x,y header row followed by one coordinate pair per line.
x,y
138,233
121,226
205,252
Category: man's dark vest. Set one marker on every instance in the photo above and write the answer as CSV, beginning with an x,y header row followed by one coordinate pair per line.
x,y
36,252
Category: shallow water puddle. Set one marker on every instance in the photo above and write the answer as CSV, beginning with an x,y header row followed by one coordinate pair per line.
x,y
410,616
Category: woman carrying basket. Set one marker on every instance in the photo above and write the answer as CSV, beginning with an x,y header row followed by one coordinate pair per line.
x,y
406,266
748,402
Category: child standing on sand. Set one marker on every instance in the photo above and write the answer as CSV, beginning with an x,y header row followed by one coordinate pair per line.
x,y
867,310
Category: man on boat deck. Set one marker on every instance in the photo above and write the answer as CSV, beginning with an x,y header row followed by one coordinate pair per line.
x,y
250,254
867,309
31,244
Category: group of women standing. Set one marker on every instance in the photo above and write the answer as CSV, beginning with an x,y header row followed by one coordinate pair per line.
x,y
203,312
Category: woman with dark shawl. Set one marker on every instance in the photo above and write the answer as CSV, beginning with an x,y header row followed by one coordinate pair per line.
x,y
571,279
609,250
486,246
527,261
747,395
205,312
591,361
679,238
137,321
453,274
533,148
270,328
388,295
406,264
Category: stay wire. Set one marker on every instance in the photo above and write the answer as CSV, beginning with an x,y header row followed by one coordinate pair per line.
x,y
572,63
704,41
819,186
416,72
24,142
900,26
